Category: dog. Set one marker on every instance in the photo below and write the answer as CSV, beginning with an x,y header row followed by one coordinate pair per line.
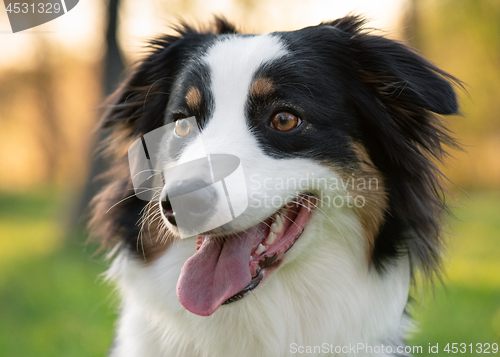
x,y
334,131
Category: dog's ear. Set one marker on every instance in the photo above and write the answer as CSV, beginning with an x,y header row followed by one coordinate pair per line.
x,y
398,73
401,90
222,26
138,105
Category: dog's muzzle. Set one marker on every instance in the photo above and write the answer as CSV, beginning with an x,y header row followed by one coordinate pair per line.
x,y
204,194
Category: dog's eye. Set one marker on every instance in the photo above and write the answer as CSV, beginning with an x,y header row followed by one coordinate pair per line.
x,y
284,121
182,127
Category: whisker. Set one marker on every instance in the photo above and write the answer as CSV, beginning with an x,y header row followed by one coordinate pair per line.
x,y
117,203
144,189
142,171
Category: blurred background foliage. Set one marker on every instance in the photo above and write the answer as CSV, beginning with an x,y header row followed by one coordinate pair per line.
x,y
54,78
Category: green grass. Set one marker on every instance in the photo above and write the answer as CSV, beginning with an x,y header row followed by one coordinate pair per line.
x,y
53,303
52,300
467,308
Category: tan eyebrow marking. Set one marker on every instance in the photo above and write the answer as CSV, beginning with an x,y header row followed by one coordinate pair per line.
x,y
193,98
262,87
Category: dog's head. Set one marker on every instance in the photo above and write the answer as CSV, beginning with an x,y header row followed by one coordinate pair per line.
x,y
333,131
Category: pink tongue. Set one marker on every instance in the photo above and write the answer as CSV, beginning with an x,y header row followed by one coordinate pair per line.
x,y
217,271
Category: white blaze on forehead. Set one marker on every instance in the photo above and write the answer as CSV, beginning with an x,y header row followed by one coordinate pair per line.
x,y
233,62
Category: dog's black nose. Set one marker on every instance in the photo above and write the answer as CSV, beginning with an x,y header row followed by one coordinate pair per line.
x,y
193,201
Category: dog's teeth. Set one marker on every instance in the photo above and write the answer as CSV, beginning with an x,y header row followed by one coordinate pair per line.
x,y
271,237
251,258
260,249
277,225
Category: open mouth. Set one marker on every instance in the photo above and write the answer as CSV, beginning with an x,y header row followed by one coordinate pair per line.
x,y
225,269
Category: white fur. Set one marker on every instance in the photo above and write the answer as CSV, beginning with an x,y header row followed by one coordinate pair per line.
x,y
324,293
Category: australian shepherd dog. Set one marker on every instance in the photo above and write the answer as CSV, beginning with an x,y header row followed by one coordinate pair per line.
x,y
296,193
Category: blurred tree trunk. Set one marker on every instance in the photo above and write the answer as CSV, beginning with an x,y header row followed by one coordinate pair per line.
x,y
113,67
113,61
